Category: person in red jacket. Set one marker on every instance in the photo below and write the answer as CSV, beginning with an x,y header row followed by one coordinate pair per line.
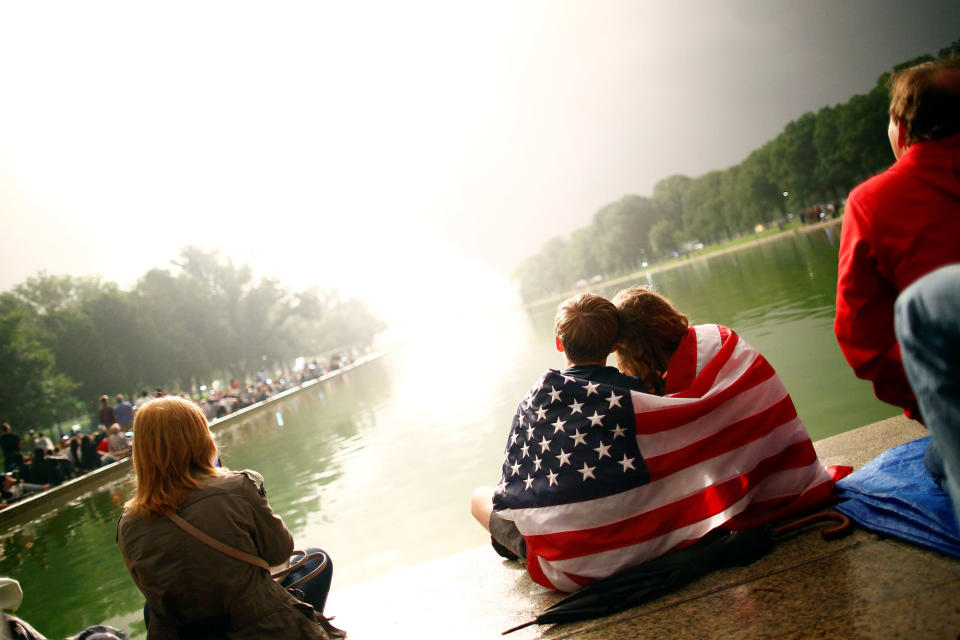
x,y
901,225
898,289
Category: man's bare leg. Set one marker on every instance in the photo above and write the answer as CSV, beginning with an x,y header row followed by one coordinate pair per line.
x,y
481,505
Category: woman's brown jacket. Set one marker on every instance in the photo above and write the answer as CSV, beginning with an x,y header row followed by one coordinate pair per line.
x,y
194,590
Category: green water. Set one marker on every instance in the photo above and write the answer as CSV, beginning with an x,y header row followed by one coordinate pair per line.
x,y
376,466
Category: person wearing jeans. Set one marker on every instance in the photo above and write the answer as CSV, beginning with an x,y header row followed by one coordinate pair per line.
x,y
927,324
316,589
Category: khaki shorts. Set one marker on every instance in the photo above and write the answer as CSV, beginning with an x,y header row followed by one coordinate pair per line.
x,y
505,534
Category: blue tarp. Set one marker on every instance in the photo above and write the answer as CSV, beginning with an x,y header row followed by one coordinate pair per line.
x,y
893,494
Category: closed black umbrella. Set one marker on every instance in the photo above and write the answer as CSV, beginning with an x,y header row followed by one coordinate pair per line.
x,y
634,586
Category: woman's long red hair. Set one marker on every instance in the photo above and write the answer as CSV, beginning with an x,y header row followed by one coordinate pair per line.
x,y
173,448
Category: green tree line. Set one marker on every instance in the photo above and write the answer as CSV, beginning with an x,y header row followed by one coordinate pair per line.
x,y
66,340
817,158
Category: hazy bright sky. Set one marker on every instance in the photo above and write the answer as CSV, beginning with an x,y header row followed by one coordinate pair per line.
x,y
375,146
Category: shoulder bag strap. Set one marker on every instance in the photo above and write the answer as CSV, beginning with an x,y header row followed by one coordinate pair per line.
x,y
305,557
317,555
216,544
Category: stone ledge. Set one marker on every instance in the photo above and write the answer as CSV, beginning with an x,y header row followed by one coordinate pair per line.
x,y
862,586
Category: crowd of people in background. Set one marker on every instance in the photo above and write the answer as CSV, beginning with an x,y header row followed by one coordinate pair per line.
x,y
36,462
820,212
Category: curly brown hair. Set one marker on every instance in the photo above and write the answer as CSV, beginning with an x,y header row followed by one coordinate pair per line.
x,y
650,330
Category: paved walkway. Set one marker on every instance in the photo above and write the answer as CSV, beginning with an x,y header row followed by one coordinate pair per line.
x,y
861,586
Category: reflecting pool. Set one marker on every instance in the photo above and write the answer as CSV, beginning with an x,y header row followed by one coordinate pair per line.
x,y
376,466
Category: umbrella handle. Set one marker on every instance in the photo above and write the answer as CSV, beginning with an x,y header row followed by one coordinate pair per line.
x,y
519,626
842,528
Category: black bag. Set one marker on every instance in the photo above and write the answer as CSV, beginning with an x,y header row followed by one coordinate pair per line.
x,y
292,587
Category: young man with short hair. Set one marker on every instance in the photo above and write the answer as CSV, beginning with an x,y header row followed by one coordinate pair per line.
x,y
586,327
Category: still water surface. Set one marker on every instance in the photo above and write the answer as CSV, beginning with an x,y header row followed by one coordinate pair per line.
x,y
376,466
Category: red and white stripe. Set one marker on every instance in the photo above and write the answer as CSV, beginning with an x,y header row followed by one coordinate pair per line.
x,y
724,448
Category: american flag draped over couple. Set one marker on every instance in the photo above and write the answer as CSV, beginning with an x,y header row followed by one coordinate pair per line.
x,y
599,478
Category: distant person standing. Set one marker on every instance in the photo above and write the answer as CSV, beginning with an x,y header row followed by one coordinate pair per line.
x,y
901,229
107,417
142,400
10,443
123,411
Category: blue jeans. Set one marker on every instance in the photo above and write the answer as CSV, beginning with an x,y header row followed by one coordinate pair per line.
x,y
315,591
927,322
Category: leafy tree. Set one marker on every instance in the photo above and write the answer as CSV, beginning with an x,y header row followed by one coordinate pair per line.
x,y
912,62
46,294
669,193
174,328
581,256
223,286
950,51
862,134
835,170
817,156
59,308
32,394
622,232
794,159
663,237
260,326
734,214
665,234
177,323
345,323
703,209
758,187
555,254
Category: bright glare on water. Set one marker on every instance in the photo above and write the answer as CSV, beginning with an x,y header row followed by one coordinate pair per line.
x,y
376,466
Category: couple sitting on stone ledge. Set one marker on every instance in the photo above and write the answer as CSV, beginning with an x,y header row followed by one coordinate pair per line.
x,y
606,469
707,437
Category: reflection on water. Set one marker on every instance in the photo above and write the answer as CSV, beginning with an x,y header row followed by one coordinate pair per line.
x,y
68,566
376,465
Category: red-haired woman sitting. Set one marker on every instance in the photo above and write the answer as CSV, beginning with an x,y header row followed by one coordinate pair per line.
x,y
193,590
